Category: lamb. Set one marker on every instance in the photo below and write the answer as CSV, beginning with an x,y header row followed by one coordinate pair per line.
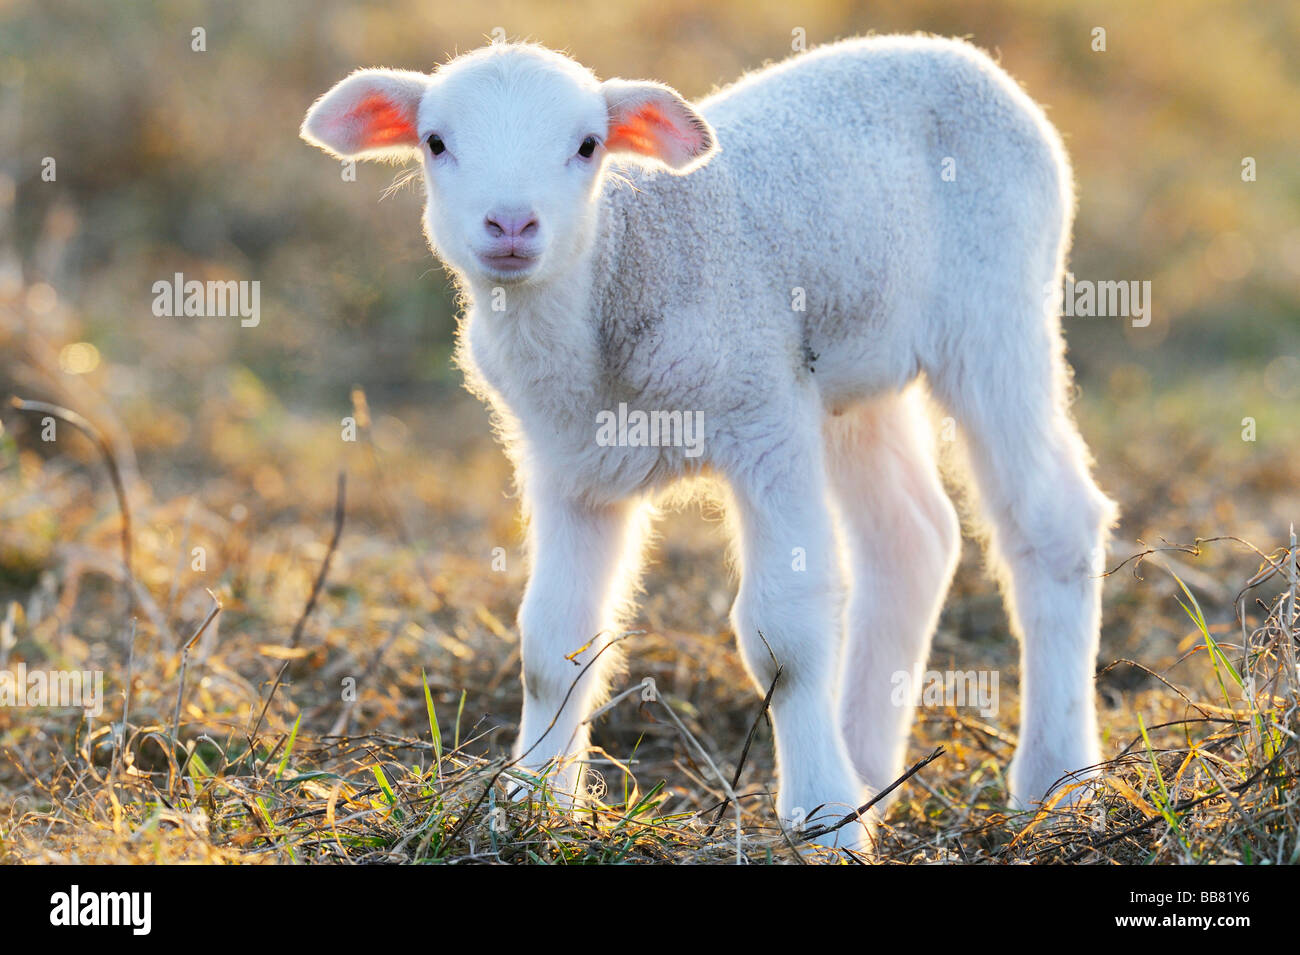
x,y
802,261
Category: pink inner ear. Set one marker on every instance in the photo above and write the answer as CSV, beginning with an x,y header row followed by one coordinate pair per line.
x,y
644,132
382,123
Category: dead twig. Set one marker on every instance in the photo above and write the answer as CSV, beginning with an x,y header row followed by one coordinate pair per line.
x,y
185,662
340,502
857,813
339,507
744,753
110,459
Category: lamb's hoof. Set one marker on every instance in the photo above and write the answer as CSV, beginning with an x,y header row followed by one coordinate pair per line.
x,y
1031,791
517,790
825,836
547,784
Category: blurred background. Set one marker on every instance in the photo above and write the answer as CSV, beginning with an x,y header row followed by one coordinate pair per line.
x,y
174,160
169,159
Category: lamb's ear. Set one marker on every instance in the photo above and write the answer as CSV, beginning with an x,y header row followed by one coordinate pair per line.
x,y
652,120
370,115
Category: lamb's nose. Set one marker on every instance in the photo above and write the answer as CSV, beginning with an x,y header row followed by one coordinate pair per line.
x,y
511,224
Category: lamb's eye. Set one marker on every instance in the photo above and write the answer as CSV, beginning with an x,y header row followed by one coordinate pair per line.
x,y
587,148
436,145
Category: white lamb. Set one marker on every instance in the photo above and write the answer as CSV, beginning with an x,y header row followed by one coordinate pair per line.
x,y
780,261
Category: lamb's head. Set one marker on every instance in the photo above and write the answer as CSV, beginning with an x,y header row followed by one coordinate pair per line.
x,y
513,139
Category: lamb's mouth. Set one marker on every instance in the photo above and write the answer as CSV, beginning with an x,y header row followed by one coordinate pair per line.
x,y
511,263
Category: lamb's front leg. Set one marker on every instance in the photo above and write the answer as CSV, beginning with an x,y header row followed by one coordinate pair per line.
x,y
582,559
789,613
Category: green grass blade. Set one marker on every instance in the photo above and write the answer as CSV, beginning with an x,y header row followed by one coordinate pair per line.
x,y
384,786
1160,779
434,730
288,747
460,711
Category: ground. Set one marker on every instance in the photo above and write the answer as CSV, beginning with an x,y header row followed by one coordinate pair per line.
x,y
416,612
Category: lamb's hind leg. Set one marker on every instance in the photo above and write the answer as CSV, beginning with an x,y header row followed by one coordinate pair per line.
x,y
1048,522
901,539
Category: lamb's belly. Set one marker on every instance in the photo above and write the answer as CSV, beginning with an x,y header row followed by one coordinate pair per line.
x,y
855,357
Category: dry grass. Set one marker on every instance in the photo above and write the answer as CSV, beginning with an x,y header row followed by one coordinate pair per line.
x,y
237,743
1204,782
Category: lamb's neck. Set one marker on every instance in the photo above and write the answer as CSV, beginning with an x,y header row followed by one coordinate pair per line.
x,y
538,346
